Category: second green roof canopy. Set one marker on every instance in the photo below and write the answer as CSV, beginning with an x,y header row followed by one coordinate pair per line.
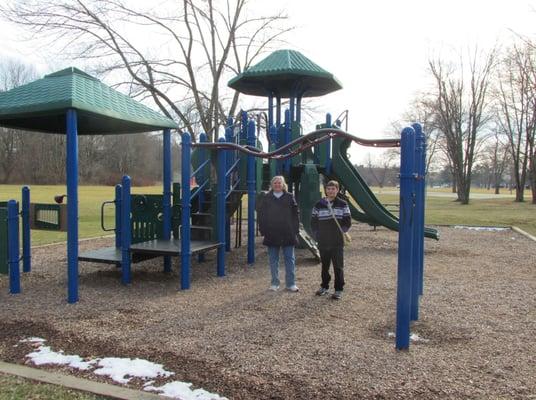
x,y
281,72
41,106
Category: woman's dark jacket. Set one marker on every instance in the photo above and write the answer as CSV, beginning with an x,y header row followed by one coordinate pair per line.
x,y
279,220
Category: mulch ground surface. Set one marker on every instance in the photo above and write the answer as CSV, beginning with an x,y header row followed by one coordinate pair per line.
x,y
233,336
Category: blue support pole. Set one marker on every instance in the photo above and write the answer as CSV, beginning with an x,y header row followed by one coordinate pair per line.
x,y
243,127
166,200
328,146
118,215
13,246
203,175
418,226
220,209
421,202
298,108
278,112
72,206
270,109
26,238
273,146
405,239
251,183
126,231
185,210
229,160
286,162
292,102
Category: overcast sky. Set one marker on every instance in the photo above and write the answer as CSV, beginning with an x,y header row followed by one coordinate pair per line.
x,y
377,49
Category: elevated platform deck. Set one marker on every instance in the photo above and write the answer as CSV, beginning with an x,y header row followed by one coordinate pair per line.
x,y
144,250
171,247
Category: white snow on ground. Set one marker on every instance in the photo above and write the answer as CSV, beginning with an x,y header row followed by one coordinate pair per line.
x,y
482,228
182,390
412,337
121,370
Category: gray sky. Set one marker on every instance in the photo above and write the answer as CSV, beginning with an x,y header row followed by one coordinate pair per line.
x,y
377,49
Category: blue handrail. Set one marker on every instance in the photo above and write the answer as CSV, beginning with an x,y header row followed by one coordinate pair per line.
x,y
199,189
233,167
232,188
200,167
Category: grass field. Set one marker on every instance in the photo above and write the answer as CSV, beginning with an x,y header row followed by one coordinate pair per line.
x,y
439,210
15,388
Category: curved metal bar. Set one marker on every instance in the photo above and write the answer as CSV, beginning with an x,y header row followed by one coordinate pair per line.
x,y
304,142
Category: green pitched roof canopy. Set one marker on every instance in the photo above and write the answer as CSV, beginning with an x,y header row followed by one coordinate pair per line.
x,y
280,72
41,106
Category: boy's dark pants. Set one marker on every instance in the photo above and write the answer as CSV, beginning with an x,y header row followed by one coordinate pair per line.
x,y
332,255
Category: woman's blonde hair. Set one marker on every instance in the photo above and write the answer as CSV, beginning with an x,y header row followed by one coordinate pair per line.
x,y
282,179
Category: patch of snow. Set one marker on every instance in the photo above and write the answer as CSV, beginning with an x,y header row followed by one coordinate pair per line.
x,y
482,228
44,355
123,369
183,391
32,340
412,337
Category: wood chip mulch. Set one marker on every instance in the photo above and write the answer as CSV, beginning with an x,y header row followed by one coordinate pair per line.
x,y
233,336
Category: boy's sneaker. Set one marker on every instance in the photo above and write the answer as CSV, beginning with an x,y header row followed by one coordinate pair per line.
x,y
321,292
293,288
337,295
274,288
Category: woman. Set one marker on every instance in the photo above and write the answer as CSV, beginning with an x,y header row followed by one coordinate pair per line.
x,y
279,224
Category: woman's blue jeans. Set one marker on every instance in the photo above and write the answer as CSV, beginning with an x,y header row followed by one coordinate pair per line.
x,y
290,264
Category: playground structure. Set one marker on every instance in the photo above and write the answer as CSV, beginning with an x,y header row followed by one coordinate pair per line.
x,y
196,219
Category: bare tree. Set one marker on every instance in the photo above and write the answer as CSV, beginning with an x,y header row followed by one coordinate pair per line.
x,y
516,97
180,52
422,110
461,113
12,74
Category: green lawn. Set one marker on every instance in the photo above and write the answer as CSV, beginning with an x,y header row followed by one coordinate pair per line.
x,y
15,388
90,199
439,210
482,212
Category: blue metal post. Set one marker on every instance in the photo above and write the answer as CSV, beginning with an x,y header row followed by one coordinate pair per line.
x,y
204,174
298,108
273,146
270,109
26,239
243,127
126,231
220,209
421,202
328,146
292,102
72,206
286,140
278,112
166,200
229,160
418,226
185,210
13,246
118,215
405,239
251,182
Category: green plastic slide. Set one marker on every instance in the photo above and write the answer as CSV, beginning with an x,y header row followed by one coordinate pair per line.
x,y
374,212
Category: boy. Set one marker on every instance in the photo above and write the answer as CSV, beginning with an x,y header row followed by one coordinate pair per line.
x,y
330,238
